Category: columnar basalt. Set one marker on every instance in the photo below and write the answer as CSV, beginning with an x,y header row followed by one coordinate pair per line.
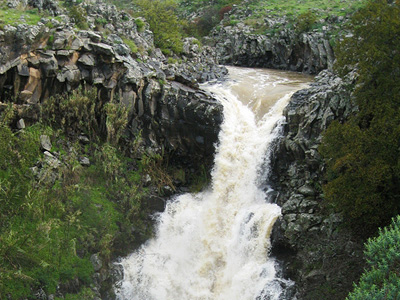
x,y
308,52
321,256
163,99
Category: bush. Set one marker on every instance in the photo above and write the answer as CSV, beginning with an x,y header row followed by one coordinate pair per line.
x,y
140,24
305,21
75,113
131,44
101,21
79,15
204,24
223,11
163,21
382,278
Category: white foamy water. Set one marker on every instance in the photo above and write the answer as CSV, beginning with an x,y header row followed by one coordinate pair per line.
x,y
214,245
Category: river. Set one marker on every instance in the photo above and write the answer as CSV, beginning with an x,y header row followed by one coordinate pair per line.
x,y
214,245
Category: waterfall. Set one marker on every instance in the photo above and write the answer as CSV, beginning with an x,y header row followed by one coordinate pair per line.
x,y
214,245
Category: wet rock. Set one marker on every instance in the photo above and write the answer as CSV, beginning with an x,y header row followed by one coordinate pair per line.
x,y
116,272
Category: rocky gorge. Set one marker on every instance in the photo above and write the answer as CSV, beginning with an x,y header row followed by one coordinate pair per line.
x,y
308,52
316,251
163,99
167,107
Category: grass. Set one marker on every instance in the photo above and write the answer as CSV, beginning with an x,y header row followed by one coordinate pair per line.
x,y
293,8
131,44
14,16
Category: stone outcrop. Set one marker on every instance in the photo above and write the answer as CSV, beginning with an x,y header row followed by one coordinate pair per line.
x,y
162,96
308,52
321,256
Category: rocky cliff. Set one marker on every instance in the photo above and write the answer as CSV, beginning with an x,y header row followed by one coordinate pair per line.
x,y
308,52
321,256
165,105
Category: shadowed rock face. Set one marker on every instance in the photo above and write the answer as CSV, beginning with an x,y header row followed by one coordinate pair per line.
x,y
169,114
318,253
306,52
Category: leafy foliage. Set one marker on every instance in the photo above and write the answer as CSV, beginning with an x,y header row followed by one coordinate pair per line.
x,y
363,155
305,21
78,14
163,21
54,218
382,279
131,44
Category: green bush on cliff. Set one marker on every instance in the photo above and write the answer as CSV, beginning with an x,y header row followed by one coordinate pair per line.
x,y
79,15
305,21
363,155
382,278
163,21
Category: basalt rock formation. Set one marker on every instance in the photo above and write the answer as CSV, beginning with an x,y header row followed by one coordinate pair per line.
x,y
308,52
162,97
321,256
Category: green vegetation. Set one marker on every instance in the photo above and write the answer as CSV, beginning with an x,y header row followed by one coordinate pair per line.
x,y
305,21
19,16
363,154
131,44
304,14
79,15
163,21
294,8
54,212
382,279
212,13
101,21
140,24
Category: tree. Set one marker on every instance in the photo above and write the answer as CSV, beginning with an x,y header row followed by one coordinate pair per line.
x,y
382,279
363,155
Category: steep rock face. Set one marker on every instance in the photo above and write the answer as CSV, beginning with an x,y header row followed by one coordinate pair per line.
x,y
163,100
308,52
321,256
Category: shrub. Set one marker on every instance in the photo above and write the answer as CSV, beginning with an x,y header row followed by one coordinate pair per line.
x,y
75,113
305,21
163,21
382,278
203,25
78,14
131,44
101,21
223,11
140,24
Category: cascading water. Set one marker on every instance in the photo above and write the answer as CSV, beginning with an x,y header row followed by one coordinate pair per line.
x,y
214,245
